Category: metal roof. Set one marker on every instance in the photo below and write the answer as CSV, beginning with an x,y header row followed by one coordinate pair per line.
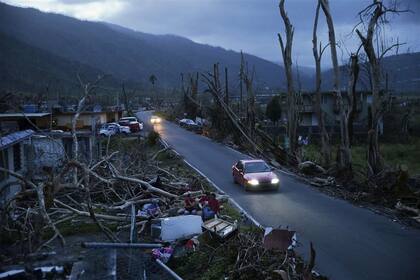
x,y
24,115
15,137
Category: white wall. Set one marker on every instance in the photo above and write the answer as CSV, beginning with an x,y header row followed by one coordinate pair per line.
x,y
47,152
13,185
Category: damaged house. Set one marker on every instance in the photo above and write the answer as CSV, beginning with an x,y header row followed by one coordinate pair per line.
x,y
14,157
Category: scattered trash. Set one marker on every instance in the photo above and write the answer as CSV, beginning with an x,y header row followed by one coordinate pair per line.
x,y
220,227
174,228
321,182
162,254
192,244
149,210
279,239
40,272
310,168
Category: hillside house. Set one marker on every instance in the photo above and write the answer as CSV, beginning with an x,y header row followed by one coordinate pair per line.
x,y
10,122
87,120
309,118
13,156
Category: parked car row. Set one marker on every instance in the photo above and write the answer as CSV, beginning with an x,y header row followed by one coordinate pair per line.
x,y
125,125
132,122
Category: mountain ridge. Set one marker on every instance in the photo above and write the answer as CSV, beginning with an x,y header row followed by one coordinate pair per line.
x,y
131,56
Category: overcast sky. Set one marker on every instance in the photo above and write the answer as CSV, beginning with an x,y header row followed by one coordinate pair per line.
x,y
250,25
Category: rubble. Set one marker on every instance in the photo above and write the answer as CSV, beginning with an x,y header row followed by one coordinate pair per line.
x,y
279,239
129,189
322,182
175,228
311,168
220,228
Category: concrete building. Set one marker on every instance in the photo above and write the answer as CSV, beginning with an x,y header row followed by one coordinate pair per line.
x,y
10,122
13,156
86,120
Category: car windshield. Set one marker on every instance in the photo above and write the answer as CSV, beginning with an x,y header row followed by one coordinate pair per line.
x,y
256,167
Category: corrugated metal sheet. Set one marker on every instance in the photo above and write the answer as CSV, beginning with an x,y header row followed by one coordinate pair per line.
x,y
13,138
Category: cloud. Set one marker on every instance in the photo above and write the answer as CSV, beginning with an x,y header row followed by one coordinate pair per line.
x,y
81,9
249,25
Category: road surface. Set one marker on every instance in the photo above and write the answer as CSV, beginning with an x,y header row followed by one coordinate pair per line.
x,y
351,242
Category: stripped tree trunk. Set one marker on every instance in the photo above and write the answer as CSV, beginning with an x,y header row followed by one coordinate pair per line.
x,y
325,138
194,93
374,159
213,83
87,88
292,100
226,87
344,151
248,80
351,92
241,79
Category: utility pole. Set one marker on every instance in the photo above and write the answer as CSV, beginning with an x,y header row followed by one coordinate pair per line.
x,y
226,87
241,77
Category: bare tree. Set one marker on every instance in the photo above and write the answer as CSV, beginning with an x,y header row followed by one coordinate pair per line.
x,y
344,151
352,94
191,104
376,15
212,81
248,79
126,102
241,79
87,89
292,100
325,138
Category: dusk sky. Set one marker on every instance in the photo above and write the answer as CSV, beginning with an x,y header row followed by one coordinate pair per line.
x,y
250,25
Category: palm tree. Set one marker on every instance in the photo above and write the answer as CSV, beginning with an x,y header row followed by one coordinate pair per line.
x,y
153,80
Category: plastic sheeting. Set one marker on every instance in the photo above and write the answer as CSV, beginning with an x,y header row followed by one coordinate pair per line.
x,y
179,227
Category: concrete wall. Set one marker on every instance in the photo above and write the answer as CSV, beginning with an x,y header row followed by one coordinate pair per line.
x,y
85,120
46,151
11,183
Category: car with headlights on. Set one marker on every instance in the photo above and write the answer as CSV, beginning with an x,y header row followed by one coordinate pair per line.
x,y
255,174
155,120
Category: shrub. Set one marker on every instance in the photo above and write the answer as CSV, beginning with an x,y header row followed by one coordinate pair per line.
x,y
153,138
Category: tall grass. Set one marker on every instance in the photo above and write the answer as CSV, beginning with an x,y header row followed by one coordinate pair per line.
x,y
393,154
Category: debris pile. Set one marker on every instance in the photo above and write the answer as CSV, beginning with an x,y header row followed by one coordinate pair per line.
x,y
140,197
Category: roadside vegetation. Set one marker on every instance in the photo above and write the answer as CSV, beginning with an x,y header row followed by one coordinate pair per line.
x,y
395,155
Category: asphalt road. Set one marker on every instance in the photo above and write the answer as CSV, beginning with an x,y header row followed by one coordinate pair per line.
x,y
351,242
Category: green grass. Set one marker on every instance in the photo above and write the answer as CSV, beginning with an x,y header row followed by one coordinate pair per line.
x,y
393,154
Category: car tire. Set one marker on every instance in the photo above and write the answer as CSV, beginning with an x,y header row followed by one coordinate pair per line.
x,y
247,189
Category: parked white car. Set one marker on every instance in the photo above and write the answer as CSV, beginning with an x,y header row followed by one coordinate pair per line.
x,y
132,122
187,122
110,129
